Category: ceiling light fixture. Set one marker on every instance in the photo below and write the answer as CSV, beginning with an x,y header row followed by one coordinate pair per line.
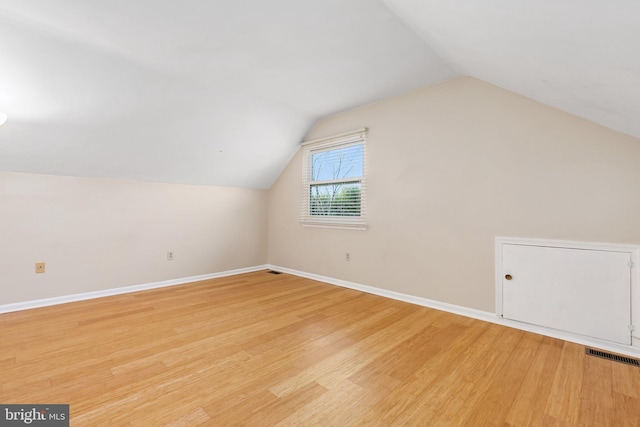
x,y
3,118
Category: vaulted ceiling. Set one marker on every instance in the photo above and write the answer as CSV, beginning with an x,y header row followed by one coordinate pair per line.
x,y
221,92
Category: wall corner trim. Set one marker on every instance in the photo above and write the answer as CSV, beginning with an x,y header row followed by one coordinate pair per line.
x,y
467,312
26,305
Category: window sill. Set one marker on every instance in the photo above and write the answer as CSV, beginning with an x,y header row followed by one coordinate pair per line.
x,y
341,226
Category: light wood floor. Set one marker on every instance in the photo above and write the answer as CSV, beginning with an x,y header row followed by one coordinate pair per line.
x,y
261,349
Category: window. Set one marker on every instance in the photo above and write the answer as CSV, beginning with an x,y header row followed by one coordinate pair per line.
x,y
333,190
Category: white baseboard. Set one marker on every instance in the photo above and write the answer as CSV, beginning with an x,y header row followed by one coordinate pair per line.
x,y
26,305
468,312
425,302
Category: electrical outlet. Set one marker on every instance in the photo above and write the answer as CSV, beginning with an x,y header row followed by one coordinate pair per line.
x,y
39,267
169,256
347,257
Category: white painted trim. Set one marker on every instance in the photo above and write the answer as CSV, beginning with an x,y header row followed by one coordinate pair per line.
x,y
635,298
498,276
357,227
632,250
26,305
467,312
569,244
343,135
451,308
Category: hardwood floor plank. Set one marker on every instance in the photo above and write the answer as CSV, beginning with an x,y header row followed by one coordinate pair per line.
x,y
506,379
491,366
340,406
262,350
597,383
627,411
530,401
195,418
267,409
428,379
343,363
626,381
564,399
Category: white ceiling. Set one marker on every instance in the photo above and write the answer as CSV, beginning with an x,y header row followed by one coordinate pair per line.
x,y
221,92
582,56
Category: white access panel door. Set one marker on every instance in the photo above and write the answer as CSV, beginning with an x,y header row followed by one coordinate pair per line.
x,y
586,292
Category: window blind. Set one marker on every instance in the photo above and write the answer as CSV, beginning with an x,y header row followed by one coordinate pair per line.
x,y
334,181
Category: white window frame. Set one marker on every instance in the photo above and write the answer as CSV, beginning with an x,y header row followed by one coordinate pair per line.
x,y
342,140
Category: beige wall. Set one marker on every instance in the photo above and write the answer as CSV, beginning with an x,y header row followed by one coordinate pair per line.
x,y
451,167
97,234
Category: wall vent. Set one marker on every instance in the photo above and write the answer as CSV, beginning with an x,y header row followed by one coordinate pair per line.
x,y
614,357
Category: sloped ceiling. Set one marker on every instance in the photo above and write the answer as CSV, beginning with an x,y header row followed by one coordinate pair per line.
x,y
222,92
581,56
204,92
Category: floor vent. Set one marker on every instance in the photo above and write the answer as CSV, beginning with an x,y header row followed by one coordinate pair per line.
x,y
274,272
614,357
